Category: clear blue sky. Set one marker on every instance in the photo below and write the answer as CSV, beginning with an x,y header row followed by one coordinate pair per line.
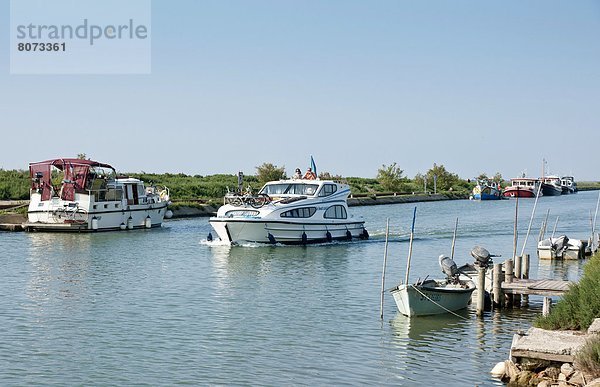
x,y
475,86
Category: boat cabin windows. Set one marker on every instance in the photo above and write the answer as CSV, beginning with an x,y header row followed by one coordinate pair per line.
x,y
290,189
327,189
113,193
305,212
336,212
135,194
274,189
241,213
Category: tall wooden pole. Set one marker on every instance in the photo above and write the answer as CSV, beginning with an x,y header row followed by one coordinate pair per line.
x,y
385,252
454,239
515,227
410,243
554,229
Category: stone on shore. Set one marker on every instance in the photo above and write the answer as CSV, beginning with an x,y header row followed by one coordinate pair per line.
x,y
555,346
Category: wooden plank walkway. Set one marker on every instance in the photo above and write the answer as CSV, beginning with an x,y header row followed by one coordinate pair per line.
x,y
539,287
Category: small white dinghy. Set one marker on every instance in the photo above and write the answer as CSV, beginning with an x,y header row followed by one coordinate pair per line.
x,y
435,296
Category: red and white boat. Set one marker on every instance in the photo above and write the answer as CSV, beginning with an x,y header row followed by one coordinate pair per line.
x,y
523,187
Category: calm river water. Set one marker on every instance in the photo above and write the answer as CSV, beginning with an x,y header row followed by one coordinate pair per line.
x,y
162,307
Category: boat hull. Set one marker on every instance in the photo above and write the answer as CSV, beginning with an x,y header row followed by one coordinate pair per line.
x,y
417,300
486,196
484,192
551,190
96,216
510,192
237,231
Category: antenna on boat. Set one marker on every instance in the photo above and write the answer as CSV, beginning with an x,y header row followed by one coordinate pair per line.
x,y
385,251
410,243
453,240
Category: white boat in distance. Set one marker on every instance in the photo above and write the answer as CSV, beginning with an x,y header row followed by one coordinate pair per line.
x,y
85,195
295,211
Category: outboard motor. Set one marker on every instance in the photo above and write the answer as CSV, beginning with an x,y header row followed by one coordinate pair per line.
x,y
448,266
483,258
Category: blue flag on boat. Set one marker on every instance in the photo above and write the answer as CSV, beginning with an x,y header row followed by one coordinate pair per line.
x,y
313,166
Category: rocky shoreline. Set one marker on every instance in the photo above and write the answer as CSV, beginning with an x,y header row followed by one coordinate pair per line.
x,y
546,358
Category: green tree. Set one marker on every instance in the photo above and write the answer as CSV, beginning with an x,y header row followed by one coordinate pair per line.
x,y
269,172
390,177
482,176
498,178
443,179
82,156
419,181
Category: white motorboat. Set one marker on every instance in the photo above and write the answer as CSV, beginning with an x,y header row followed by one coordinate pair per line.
x,y
560,248
295,211
435,296
85,195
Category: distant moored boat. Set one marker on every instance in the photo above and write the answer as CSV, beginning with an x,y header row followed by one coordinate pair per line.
x,y
523,187
486,190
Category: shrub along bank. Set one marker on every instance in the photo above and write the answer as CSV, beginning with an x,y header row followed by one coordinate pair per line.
x,y
576,310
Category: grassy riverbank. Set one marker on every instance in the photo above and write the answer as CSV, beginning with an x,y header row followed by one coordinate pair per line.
x,y
14,185
578,308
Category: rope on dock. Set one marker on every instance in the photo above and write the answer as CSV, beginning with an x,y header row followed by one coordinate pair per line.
x,y
441,306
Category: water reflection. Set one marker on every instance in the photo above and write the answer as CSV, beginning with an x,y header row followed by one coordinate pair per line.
x,y
423,328
561,269
60,264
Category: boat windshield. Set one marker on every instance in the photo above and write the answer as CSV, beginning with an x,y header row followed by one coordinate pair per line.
x,y
290,189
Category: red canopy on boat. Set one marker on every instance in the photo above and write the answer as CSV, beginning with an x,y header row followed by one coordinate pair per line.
x,y
76,174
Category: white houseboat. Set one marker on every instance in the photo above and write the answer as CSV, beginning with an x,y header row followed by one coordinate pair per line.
x,y
295,211
85,195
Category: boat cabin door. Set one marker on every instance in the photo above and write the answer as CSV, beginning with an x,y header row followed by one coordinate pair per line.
x,y
131,193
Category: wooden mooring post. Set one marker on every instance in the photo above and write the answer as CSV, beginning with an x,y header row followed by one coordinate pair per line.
x,y
547,306
480,290
497,286
525,275
508,277
517,275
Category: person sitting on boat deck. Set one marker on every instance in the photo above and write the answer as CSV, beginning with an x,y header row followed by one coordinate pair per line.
x,y
297,174
309,175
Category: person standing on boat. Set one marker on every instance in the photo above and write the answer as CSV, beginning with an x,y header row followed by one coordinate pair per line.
x,y
297,174
309,175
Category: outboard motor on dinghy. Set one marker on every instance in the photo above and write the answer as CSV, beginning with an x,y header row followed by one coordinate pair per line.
x,y
483,258
448,267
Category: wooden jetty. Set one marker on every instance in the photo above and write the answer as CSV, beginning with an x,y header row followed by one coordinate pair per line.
x,y
12,222
511,285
